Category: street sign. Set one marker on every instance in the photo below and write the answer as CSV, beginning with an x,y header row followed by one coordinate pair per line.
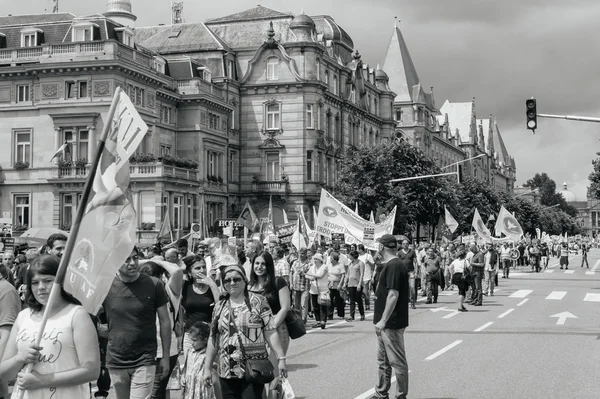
x,y
562,317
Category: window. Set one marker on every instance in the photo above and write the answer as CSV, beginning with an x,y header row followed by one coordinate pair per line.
x,y
22,210
233,166
329,125
273,116
76,89
165,114
83,33
190,208
23,146
310,119
165,150
399,115
273,167
272,68
353,95
79,143
376,107
230,69
335,85
29,40
327,78
83,89
369,102
177,204
317,168
67,211
309,167
158,65
206,75
23,93
330,172
139,96
326,166
213,164
214,121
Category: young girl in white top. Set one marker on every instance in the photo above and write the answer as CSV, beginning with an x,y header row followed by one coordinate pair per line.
x,y
68,357
457,269
193,367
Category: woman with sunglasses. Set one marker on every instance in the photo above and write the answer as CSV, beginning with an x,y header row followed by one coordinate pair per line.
x,y
242,323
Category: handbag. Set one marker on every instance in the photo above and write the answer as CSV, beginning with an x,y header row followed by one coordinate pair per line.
x,y
258,369
467,275
294,323
324,299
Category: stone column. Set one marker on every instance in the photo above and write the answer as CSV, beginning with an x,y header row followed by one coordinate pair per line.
x,y
92,144
57,142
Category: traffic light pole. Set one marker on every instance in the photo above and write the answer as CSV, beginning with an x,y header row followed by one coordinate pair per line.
x,y
570,117
423,177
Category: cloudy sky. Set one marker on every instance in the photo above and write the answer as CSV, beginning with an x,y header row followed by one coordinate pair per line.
x,y
500,52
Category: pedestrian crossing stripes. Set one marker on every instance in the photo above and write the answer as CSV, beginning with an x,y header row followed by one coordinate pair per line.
x,y
557,295
520,294
569,271
591,298
549,271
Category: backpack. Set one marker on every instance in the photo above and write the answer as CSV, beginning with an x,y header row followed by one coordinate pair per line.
x,y
178,318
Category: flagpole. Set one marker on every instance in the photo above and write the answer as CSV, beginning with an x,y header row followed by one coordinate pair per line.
x,y
66,257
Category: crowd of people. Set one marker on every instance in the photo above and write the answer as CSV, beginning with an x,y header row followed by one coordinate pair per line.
x,y
215,322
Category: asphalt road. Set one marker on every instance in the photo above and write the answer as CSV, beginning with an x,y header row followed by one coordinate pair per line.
x,y
515,346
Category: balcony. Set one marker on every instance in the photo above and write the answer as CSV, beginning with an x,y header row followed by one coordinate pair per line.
x,y
159,170
198,86
80,51
270,186
72,172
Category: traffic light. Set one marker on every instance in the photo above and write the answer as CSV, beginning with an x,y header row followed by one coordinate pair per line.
x,y
531,114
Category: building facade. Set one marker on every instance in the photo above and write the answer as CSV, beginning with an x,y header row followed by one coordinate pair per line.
x,y
252,106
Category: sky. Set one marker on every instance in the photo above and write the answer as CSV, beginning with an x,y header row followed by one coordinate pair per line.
x,y
500,52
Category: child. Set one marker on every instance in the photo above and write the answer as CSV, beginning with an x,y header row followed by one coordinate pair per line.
x,y
191,376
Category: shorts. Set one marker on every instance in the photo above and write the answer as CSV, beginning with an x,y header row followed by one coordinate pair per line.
x,y
564,261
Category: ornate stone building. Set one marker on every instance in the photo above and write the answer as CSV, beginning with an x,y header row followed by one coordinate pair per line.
x,y
244,107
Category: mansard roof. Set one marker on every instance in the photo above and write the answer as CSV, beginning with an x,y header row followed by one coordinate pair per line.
x,y
35,19
326,25
400,68
179,38
257,13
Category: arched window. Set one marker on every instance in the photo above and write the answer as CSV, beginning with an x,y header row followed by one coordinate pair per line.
x,y
272,68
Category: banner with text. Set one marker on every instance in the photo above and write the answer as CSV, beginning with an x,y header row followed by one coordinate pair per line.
x,y
335,217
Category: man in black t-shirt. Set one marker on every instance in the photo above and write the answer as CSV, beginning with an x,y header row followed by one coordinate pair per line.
x,y
408,257
391,319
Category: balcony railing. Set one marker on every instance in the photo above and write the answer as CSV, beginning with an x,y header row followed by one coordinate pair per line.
x,y
80,51
270,185
198,86
157,169
73,172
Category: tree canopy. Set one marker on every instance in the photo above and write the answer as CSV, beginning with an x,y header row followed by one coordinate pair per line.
x,y
547,190
594,178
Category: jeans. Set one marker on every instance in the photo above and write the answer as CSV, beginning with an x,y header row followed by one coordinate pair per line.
x,y
412,287
320,311
584,259
337,302
506,269
239,388
103,382
489,281
355,297
301,300
391,354
477,294
431,284
447,276
366,292
134,383
160,385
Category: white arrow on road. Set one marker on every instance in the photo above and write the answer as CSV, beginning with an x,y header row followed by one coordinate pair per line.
x,y
562,317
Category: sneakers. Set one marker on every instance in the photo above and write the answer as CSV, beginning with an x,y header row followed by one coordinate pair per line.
x,y
412,305
463,309
317,325
362,318
323,326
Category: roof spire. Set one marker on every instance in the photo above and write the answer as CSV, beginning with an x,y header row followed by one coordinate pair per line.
x,y
400,67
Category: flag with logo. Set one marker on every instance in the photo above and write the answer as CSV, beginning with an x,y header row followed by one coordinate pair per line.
x,y
442,231
372,218
480,228
300,238
450,221
247,218
508,225
107,232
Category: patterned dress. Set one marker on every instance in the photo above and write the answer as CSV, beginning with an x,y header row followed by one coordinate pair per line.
x,y
192,384
251,323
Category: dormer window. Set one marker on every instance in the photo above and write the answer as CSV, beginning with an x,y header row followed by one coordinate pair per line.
x,y
127,36
205,74
272,68
159,65
2,40
31,37
84,31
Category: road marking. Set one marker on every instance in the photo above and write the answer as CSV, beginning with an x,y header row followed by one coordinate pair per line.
x,y
334,324
483,327
595,265
557,295
522,302
371,391
591,297
444,350
569,271
590,273
548,271
520,294
562,317
505,313
449,315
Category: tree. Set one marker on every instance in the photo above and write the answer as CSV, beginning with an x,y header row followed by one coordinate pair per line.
x,y
367,170
547,190
472,194
594,177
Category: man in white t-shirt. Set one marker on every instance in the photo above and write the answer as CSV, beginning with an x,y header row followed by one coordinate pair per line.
x,y
369,263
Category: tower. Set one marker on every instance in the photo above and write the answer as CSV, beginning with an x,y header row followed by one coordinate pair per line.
x,y
120,11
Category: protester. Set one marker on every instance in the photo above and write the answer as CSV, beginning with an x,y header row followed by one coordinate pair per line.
x,y
242,323
10,306
70,341
336,273
252,249
457,269
277,292
56,244
193,367
391,319
369,263
300,286
477,263
163,270
132,305
183,248
354,283
505,259
282,267
319,290
432,275
408,258
490,261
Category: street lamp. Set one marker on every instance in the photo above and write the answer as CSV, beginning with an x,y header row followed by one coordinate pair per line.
x,y
464,160
551,206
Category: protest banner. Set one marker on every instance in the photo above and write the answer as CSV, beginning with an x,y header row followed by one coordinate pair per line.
x,y
284,232
337,238
369,236
335,217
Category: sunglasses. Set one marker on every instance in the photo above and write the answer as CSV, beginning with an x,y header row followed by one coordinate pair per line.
x,y
234,280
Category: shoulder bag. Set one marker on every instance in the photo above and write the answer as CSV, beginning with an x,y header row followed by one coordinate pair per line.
x,y
257,368
466,274
294,323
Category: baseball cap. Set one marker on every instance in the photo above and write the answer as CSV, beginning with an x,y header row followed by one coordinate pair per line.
x,y
388,240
